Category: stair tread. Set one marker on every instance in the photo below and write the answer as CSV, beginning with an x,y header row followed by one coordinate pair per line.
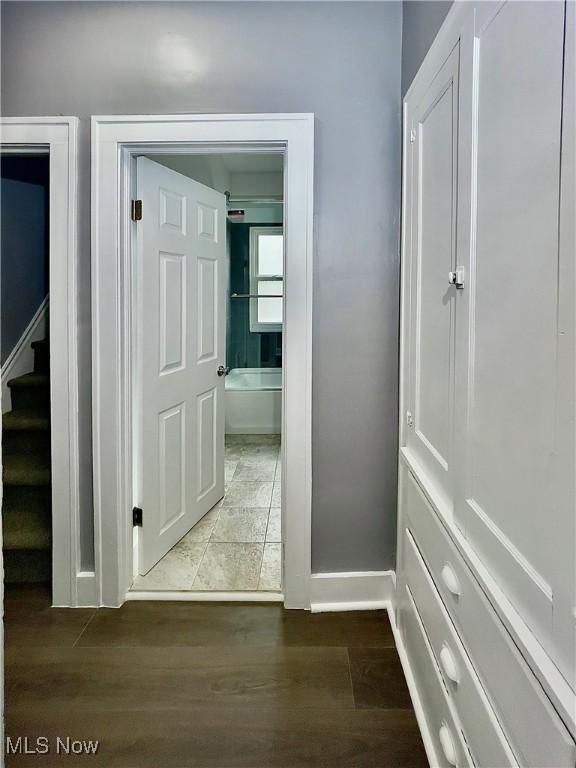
x,y
26,530
26,469
39,343
26,420
30,380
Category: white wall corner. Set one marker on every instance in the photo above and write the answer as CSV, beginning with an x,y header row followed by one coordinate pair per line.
x,y
355,591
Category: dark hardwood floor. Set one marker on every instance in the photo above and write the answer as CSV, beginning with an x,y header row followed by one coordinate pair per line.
x,y
190,685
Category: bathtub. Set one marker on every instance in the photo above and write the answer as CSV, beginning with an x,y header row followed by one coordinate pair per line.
x,y
253,401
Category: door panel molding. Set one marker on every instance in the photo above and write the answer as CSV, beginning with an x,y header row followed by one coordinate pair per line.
x,y
115,142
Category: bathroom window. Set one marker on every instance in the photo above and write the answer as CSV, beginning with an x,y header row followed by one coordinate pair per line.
x,y
266,278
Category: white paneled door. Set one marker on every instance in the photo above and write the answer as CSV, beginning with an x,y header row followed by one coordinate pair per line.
x,y
181,317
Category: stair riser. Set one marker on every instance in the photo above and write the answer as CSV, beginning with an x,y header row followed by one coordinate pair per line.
x,y
21,566
27,498
20,499
42,359
30,398
26,441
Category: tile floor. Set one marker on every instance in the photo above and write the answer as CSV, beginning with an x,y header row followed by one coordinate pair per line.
x,y
237,545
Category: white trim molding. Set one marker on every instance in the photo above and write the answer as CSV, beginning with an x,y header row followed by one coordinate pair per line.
x,y
115,142
356,591
21,359
58,135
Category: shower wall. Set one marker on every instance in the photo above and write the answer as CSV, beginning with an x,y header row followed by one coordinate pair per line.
x,y
246,349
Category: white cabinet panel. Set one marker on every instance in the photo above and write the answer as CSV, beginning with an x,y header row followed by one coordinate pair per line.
x,y
433,161
484,736
450,749
563,579
488,424
532,726
506,496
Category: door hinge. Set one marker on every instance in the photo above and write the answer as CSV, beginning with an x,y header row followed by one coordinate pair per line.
x,y
136,210
137,516
409,419
412,136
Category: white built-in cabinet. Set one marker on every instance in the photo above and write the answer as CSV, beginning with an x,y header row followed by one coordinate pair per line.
x,y
487,379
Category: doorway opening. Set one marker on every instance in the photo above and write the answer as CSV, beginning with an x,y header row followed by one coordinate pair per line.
x,y
43,527
207,309
25,358
119,142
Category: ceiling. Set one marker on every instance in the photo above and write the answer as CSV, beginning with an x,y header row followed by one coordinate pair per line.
x,y
253,162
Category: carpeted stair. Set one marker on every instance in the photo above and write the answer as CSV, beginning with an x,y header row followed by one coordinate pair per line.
x,y
26,506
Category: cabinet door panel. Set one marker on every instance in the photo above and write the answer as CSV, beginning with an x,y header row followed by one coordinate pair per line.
x,y
432,244
506,498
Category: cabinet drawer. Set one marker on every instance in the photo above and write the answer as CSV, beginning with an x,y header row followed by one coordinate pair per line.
x,y
483,734
445,734
531,724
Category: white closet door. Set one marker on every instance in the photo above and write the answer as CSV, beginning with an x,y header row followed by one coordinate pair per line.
x,y
507,502
181,270
430,255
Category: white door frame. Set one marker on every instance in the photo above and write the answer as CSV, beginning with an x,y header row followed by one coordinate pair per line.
x,y
115,140
58,135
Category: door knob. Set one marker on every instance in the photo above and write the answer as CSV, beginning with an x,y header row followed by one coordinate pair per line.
x,y
223,370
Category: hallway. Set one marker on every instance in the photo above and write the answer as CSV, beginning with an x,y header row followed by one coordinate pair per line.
x,y
189,685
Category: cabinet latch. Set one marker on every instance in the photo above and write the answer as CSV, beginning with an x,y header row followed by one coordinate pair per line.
x,y
456,278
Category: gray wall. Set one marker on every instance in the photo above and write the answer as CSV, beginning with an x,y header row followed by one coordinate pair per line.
x,y
338,60
421,20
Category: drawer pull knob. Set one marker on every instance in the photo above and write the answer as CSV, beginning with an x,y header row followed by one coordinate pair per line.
x,y
447,744
450,579
449,664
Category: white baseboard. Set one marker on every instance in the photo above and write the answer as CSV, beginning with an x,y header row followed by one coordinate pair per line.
x,y
356,591
21,359
412,688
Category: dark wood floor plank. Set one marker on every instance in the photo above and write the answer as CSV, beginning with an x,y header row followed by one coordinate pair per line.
x,y
273,737
183,685
27,596
178,678
377,679
54,627
29,619
193,624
